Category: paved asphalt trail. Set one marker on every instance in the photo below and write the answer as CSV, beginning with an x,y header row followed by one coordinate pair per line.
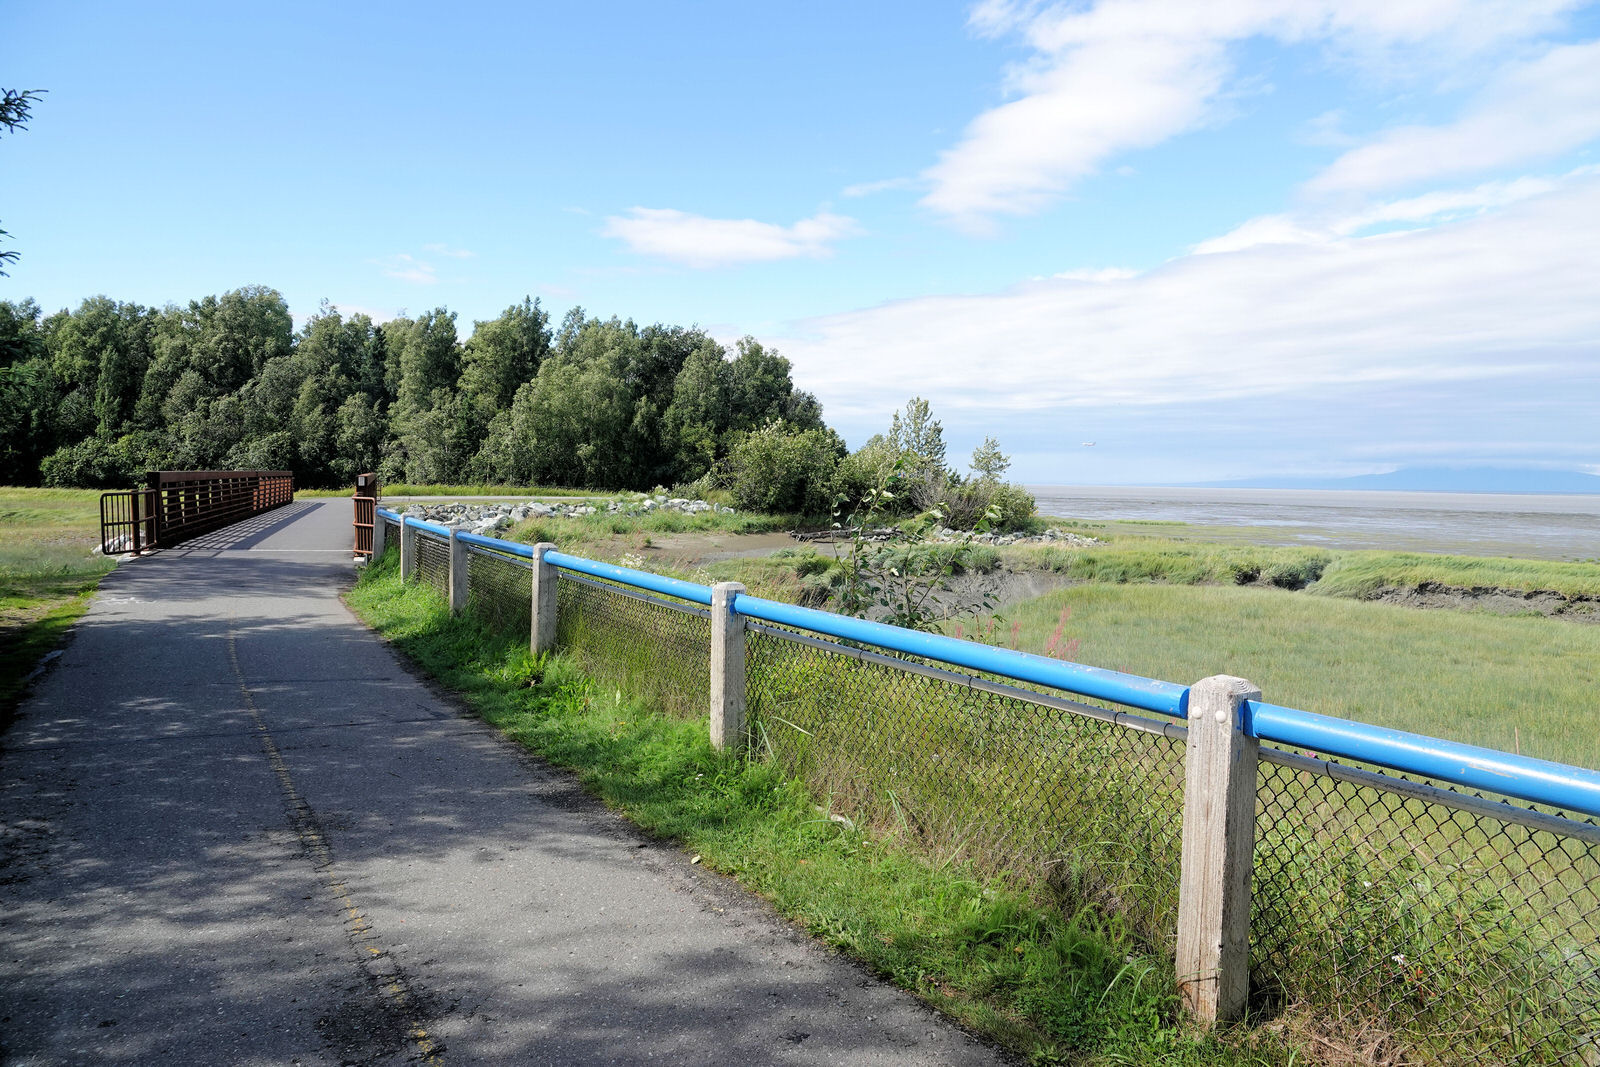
x,y
233,830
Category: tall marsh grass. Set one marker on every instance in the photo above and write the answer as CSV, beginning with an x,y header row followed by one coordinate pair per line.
x,y
1517,684
1444,936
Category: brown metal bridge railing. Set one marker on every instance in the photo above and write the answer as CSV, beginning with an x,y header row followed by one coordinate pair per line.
x,y
177,505
366,501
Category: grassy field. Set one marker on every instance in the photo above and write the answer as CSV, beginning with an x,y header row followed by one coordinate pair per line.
x,y
1057,986
1177,612
1181,611
606,536
47,572
1360,574
1331,572
1523,684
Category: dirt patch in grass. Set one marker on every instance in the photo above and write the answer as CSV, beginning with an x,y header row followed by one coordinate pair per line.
x,y
1544,602
695,548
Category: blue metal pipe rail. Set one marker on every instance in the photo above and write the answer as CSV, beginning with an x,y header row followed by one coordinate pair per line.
x,y
1567,788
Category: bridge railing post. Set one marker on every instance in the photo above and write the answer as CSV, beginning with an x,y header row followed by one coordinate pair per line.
x,y
408,549
727,667
380,527
542,631
1219,819
458,573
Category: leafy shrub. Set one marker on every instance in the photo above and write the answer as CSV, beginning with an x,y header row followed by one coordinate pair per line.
x,y
776,469
1014,505
864,470
999,506
95,463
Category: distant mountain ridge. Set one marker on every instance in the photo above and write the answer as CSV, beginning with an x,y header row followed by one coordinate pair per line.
x,y
1435,480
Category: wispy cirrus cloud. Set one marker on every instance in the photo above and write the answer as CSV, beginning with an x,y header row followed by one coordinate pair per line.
x,y
418,270
884,185
704,243
1120,75
1529,110
1314,225
448,252
407,268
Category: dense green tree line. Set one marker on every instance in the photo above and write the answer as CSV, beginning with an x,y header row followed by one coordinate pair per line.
x,y
98,395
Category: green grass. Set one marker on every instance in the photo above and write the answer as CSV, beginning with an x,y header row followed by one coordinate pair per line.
x,y
1178,611
1140,559
1340,573
606,536
1513,683
1058,987
47,569
23,643
1360,574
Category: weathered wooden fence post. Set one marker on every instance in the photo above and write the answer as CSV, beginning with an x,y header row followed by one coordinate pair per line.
x,y
542,637
727,667
408,549
458,572
1219,819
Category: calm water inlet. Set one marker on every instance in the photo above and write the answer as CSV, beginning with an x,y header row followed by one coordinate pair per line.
x,y
1477,524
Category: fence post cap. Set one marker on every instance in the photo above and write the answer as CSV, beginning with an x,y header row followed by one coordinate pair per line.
x,y
541,548
1225,686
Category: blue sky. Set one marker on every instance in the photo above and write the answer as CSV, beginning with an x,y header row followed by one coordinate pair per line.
x,y
1244,238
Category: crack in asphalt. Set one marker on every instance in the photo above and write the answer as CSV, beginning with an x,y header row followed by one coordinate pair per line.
x,y
401,1006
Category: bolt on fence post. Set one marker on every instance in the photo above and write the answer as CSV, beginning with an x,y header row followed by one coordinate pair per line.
x,y
542,636
1219,818
458,573
408,549
727,667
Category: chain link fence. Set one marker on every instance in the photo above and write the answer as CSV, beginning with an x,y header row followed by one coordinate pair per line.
x,y
499,589
654,647
1410,924
1425,925
433,563
977,771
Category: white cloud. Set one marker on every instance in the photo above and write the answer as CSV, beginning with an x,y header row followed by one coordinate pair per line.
x,y
1264,230
1126,74
1506,298
884,186
1327,130
1072,116
1104,274
1428,209
1530,110
697,241
408,268
415,269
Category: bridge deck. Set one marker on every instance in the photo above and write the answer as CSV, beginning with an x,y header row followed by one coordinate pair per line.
x,y
237,831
